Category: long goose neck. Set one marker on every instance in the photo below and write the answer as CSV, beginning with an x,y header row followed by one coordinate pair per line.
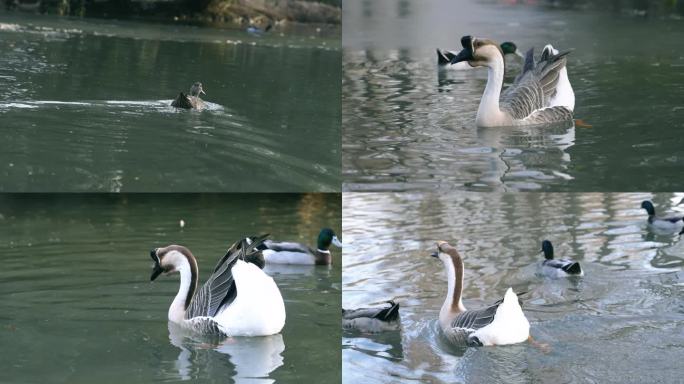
x,y
187,267
489,105
452,303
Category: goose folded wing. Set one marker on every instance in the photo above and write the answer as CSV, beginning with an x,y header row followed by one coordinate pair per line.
x,y
476,319
534,87
219,290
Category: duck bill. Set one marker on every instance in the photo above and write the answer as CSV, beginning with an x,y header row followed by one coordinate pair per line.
x,y
336,242
202,92
519,54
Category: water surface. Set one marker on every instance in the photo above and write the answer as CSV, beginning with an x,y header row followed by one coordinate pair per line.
x,y
84,106
409,126
78,304
623,322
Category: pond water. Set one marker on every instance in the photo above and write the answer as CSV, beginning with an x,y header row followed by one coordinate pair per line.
x,y
85,107
409,126
623,322
78,305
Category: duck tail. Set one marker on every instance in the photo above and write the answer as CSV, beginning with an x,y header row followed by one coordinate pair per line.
x,y
389,314
572,268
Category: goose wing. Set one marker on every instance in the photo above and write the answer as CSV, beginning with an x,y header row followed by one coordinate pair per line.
x,y
534,87
219,290
387,313
476,319
528,64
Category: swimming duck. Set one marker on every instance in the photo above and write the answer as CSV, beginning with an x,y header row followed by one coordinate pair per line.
x,y
191,101
255,30
372,320
526,102
558,267
670,222
238,299
501,323
279,252
444,57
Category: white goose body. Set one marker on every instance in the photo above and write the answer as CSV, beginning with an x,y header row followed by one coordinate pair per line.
x,y
527,101
500,324
238,299
565,96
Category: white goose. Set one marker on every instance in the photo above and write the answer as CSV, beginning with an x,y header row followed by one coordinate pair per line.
x,y
238,299
527,101
500,324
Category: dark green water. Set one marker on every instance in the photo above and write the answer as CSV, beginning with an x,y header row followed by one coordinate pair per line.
x,y
84,107
78,306
408,126
622,322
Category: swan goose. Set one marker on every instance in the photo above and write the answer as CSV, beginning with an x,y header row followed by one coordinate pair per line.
x,y
238,299
280,252
558,267
499,324
372,320
526,102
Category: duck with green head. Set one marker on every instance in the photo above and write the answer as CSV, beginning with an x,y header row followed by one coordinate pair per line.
x,y
192,100
281,252
669,222
444,57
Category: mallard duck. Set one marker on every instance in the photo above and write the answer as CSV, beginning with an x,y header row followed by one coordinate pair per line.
x,y
501,323
192,101
669,222
526,102
238,299
558,267
280,252
444,57
372,320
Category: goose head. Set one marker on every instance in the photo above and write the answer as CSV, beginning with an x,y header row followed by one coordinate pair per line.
x,y
196,89
171,259
547,248
448,254
326,237
648,206
478,52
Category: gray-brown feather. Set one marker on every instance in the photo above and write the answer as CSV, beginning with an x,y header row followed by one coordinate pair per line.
x,y
528,96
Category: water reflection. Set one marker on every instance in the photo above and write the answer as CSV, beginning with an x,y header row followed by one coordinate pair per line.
x,y
252,358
